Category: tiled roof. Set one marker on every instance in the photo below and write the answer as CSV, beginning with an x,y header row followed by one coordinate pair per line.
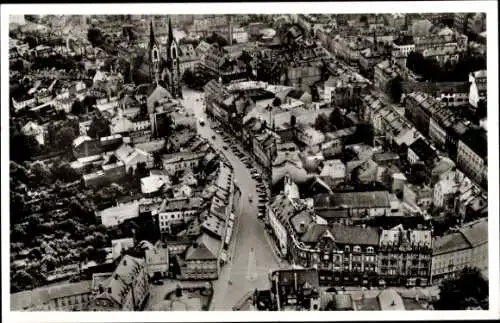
x,y
314,232
355,235
302,218
122,277
476,139
449,243
206,248
40,296
476,233
376,199
423,150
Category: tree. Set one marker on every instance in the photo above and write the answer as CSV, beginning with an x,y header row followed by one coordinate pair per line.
x,y
95,37
321,123
276,102
99,128
112,159
215,38
16,65
77,108
188,77
470,289
22,147
482,110
418,173
21,280
65,137
396,89
141,170
364,133
41,174
65,173
336,119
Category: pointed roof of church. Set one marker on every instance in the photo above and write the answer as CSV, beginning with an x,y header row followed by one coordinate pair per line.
x,y
170,32
152,39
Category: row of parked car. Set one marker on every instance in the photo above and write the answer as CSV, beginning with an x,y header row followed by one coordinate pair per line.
x,y
261,188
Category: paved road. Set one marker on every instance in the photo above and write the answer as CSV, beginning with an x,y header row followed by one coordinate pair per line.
x,y
251,256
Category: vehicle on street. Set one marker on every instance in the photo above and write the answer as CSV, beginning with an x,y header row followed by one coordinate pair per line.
x,y
213,137
250,198
202,122
224,147
157,282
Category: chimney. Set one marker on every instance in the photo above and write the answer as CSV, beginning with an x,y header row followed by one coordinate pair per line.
x,y
116,276
124,262
101,289
109,290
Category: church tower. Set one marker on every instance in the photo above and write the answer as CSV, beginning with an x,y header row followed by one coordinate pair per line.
x,y
174,85
154,57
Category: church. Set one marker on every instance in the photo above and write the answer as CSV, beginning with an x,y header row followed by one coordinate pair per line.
x,y
160,66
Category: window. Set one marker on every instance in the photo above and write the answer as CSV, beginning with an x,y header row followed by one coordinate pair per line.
x,y
357,249
370,250
347,249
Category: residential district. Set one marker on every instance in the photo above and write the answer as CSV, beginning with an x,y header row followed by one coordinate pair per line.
x,y
248,162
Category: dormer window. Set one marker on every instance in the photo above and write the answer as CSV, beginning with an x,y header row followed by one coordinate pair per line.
x,y
347,249
357,249
370,250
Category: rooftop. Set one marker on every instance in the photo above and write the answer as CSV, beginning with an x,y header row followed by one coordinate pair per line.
x,y
376,199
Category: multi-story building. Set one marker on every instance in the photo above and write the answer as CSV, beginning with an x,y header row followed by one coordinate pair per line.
x,y
295,289
419,108
280,210
85,146
384,73
202,259
108,174
126,290
402,47
472,154
478,88
65,297
157,261
466,247
175,162
447,187
442,119
404,256
177,211
264,148
344,255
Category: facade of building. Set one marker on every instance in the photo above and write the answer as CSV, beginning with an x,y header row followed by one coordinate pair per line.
x,y
405,256
467,247
295,289
472,154
175,211
344,255
175,162
202,260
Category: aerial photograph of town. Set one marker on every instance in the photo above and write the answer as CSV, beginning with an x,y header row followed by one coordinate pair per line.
x,y
248,162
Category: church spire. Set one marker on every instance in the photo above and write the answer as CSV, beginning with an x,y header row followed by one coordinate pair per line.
x,y
170,31
152,39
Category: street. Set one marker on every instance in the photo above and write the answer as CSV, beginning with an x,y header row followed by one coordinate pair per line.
x,y
251,257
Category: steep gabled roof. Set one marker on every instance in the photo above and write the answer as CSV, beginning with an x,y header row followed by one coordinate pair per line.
x,y
206,248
